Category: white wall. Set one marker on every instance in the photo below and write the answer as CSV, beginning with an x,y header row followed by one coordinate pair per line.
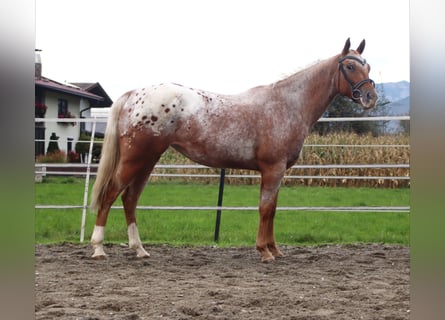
x,y
63,131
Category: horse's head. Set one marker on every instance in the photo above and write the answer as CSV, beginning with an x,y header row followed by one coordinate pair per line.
x,y
354,79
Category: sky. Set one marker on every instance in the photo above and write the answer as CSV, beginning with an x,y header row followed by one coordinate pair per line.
x,y
223,46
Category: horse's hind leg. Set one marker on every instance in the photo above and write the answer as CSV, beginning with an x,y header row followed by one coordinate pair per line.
x,y
131,179
141,165
97,237
130,197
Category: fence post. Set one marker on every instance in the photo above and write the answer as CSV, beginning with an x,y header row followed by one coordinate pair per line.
x,y
87,182
219,204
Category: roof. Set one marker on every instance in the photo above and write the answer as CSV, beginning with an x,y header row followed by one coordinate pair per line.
x,y
96,88
69,89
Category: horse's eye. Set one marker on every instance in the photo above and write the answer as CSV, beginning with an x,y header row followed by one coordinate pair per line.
x,y
350,67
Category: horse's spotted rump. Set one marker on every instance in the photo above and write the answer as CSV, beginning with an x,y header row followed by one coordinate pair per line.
x,y
164,104
158,103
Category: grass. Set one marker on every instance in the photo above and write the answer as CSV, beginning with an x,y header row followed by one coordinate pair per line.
x,y
238,228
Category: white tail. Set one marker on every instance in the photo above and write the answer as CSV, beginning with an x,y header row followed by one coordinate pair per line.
x,y
109,157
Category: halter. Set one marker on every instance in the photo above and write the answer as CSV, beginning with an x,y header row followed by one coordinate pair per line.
x,y
356,93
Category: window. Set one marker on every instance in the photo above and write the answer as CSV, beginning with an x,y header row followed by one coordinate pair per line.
x,y
63,107
63,112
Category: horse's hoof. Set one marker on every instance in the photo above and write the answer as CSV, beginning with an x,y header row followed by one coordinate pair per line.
x,y
141,253
268,259
275,251
278,254
99,257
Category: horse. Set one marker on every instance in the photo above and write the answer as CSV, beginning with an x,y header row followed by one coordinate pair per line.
x,y
261,129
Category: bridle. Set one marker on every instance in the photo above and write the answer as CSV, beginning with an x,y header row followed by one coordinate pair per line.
x,y
355,88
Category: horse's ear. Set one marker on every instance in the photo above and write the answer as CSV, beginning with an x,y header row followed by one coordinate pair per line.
x,y
361,47
346,47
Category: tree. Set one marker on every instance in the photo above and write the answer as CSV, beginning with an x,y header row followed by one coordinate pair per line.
x,y
53,145
343,107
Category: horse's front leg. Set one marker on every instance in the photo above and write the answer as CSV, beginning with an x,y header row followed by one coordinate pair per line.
x,y
265,243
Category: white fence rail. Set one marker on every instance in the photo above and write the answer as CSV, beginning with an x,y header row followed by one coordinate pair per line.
x,y
44,170
339,119
231,208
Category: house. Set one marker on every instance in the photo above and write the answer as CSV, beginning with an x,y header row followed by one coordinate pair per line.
x,y
64,100
105,104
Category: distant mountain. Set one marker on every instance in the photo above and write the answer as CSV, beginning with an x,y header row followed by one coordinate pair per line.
x,y
397,93
394,91
399,96
399,107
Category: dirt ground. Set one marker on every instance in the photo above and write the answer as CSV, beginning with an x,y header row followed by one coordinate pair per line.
x,y
323,282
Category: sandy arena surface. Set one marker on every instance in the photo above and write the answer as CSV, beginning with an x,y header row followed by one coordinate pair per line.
x,y
322,282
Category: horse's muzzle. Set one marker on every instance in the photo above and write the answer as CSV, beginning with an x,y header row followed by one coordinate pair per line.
x,y
368,98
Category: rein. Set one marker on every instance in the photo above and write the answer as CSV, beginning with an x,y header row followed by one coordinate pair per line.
x,y
355,88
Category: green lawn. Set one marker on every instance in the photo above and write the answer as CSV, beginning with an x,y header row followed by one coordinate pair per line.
x,y
237,227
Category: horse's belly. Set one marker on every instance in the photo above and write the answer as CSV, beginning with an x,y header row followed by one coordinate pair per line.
x,y
219,155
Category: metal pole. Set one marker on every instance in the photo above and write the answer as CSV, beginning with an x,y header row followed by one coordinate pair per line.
x,y
87,182
219,204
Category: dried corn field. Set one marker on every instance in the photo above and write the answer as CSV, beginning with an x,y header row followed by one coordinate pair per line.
x,y
332,149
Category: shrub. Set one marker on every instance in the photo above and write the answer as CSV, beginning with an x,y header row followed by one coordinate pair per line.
x,y
83,146
52,157
73,157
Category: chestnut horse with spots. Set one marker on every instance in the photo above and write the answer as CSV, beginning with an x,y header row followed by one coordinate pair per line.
x,y
260,129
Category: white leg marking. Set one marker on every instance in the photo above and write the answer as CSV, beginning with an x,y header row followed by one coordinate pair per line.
x,y
134,242
96,240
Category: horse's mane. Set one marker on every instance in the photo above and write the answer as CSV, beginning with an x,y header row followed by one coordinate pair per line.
x,y
299,70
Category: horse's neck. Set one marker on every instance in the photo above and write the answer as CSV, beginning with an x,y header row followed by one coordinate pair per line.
x,y
311,90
